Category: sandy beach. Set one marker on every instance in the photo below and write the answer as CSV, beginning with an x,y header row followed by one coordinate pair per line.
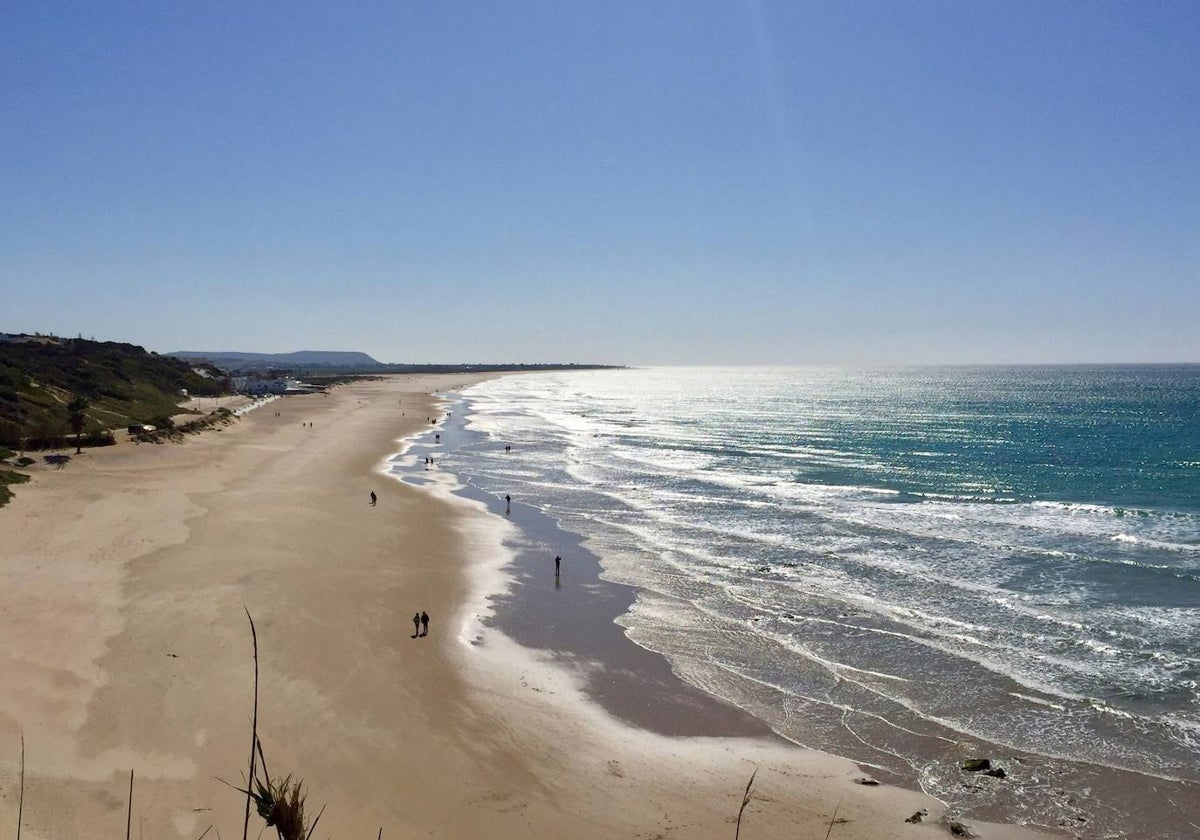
x,y
124,580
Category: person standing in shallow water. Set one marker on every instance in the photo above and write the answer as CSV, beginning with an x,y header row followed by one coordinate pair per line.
x,y
424,623
508,504
416,624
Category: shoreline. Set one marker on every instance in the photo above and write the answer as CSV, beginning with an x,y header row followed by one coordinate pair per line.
x,y
575,615
576,638
125,645
1113,796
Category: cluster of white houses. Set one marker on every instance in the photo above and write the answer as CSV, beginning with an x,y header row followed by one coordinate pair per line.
x,y
257,386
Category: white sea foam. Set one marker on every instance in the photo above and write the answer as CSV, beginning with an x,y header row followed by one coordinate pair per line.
x,y
767,500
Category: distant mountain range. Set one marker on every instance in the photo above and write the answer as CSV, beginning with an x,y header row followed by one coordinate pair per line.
x,y
300,359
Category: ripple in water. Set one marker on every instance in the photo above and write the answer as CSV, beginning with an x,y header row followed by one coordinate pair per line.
x,y
903,566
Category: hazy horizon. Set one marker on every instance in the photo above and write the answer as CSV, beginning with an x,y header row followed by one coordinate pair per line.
x,y
741,182
592,362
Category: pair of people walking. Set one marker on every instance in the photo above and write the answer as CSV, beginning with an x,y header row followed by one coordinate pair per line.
x,y
420,624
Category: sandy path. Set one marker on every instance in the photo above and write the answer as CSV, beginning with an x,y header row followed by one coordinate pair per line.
x,y
123,644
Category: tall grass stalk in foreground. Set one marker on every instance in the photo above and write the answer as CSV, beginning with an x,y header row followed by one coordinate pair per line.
x,y
745,801
280,802
253,726
21,798
129,813
833,819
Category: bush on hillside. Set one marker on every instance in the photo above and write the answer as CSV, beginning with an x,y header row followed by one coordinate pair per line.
x,y
119,380
8,477
43,442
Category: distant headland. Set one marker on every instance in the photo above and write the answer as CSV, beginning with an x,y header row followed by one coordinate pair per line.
x,y
351,362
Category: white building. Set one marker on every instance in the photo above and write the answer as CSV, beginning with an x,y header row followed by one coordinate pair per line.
x,y
256,386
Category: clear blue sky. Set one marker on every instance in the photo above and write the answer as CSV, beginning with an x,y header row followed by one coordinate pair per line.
x,y
629,182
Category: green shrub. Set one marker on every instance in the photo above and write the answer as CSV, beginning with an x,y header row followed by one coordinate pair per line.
x,y
39,442
8,477
123,382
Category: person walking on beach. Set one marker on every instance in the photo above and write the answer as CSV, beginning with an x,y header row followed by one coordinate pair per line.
x,y
373,499
416,624
557,565
424,623
507,504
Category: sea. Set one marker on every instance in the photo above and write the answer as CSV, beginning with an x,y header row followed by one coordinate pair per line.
x,y
906,566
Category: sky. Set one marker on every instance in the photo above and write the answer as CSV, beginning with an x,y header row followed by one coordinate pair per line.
x,y
649,182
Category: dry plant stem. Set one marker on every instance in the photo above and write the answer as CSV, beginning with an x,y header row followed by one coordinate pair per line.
x,y
253,727
129,813
745,802
262,761
380,837
205,834
833,819
313,827
21,799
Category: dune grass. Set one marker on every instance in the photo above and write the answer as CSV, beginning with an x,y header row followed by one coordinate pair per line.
x,y
279,802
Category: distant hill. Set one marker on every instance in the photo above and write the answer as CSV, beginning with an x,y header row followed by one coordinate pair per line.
x,y
324,363
301,359
40,375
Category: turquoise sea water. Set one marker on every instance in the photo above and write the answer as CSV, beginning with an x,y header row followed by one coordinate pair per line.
x,y
905,566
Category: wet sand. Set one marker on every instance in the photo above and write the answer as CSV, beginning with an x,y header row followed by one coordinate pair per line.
x,y
573,615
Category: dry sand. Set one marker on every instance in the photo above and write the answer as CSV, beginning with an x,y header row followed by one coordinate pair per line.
x,y
123,644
